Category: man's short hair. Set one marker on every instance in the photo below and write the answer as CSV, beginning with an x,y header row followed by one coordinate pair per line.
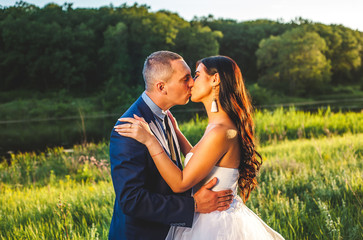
x,y
157,67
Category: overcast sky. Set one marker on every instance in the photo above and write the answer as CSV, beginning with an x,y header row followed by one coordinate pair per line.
x,y
348,13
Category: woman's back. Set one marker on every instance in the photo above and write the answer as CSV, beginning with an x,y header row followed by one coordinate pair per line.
x,y
232,154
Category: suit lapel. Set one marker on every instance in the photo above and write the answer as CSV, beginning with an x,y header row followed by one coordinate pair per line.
x,y
159,134
154,126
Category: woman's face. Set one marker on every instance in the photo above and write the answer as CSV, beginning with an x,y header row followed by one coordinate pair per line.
x,y
202,88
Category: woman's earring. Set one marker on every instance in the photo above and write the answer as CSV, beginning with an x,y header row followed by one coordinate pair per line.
x,y
214,108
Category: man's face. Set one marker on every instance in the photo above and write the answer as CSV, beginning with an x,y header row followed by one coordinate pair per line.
x,y
179,85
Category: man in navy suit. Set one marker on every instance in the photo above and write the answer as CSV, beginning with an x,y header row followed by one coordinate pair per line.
x,y
145,206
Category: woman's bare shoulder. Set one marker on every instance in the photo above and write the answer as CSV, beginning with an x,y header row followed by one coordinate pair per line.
x,y
222,132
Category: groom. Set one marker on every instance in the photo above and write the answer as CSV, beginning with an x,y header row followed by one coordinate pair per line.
x,y
145,206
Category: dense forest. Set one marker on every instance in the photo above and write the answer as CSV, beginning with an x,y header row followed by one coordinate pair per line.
x,y
101,51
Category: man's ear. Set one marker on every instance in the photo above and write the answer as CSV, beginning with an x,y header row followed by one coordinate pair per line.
x,y
160,87
216,80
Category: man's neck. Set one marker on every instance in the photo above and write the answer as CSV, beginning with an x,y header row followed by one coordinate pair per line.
x,y
158,100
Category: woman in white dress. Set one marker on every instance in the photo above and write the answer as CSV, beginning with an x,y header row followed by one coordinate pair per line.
x,y
226,151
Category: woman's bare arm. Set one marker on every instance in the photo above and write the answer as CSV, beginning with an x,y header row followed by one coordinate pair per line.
x,y
210,149
208,152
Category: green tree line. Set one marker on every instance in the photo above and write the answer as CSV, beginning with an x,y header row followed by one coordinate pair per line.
x,y
102,50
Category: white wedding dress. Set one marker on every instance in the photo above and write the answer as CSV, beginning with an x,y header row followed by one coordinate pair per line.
x,y
238,222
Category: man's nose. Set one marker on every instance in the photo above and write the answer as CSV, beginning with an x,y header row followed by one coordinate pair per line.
x,y
191,82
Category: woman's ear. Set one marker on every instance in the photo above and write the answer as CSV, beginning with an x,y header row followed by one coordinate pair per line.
x,y
216,80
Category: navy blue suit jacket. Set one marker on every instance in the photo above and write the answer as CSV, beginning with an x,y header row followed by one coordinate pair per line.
x,y
145,206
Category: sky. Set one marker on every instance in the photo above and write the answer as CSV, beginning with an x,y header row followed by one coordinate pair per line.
x,y
348,13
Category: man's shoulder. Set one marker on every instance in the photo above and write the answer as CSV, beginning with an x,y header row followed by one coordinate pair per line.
x,y
138,107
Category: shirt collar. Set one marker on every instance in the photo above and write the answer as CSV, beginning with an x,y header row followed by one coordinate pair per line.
x,y
157,111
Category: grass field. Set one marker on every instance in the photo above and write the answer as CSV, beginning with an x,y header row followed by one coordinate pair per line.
x,y
310,186
288,124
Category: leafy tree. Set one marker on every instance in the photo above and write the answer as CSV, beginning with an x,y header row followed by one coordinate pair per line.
x,y
91,50
294,62
358,74
196,42
347,56
45,51
113,54
241,40
148,32
115,64
343,50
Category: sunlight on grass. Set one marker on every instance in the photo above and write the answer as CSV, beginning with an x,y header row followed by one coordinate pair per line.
x,y
310,187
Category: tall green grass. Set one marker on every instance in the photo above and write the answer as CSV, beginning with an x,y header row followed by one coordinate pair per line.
x,y
281,124
310,184
288,124
87,163
62,210
313,189
308,189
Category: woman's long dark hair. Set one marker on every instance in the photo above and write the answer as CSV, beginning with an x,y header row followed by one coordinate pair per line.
x,y
235,101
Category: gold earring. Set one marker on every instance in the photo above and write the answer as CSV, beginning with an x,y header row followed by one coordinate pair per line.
x,y
214,108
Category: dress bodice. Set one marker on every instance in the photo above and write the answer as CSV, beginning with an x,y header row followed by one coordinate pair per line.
x,y
227,177
238,222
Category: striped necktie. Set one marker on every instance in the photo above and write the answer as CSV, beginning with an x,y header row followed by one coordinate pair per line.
x,y
170,140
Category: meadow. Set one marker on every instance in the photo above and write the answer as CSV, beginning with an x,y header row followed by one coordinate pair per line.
x,y
310,183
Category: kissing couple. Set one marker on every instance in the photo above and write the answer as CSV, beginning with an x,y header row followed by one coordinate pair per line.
x,y
157,197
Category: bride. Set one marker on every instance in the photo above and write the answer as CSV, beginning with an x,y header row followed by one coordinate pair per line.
x,y
227,151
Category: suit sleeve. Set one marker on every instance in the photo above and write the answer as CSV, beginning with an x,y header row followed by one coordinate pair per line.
x,y
129,171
